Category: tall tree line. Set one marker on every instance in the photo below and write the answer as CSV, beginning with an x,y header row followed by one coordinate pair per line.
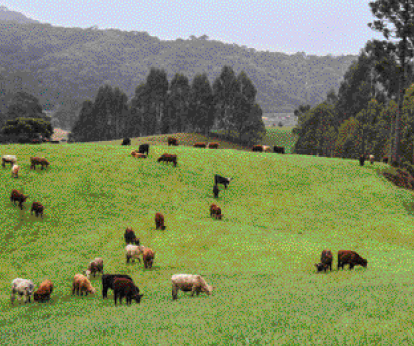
x,y
160,107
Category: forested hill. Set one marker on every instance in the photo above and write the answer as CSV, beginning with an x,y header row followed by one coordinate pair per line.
x,y
67,65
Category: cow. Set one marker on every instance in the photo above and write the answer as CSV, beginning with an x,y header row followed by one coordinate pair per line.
x,y
385,159
138,155
371,159
126,288
93,267
351,258
44,291
144,148
213,145
37,207
279,150
321,266
38,161
215,211
82,284
133,252
172,141
326,258
12,159
267,149
168,158
108,282
216,191
22,287
159,221
15,171
126,141
199,145
148,257
130,237
189,282
361,160
218,179
18,196
258,148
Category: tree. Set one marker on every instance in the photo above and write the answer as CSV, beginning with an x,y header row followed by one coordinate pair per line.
x,y
347,144
84,128
157,84
28,127
140,120
178,104
400,13
26,105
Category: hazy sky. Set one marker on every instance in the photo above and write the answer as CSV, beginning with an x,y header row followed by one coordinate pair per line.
x,y
338,27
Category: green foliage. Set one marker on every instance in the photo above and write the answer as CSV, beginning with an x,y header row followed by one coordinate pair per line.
x,y
24,105
348,143
28,126
178,105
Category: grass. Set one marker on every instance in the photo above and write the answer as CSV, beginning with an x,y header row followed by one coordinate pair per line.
x,y
280,212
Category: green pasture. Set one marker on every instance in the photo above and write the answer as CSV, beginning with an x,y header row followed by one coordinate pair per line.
x,y
280,212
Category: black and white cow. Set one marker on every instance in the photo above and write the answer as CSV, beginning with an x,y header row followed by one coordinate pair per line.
x,y
218,179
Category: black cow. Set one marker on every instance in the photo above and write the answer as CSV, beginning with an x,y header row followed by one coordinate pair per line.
x,y
218,179
126,288
362,160
108,282
126,141
279,150
144,148
216,191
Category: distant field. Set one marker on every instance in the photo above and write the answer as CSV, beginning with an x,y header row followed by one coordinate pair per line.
x,y
280,212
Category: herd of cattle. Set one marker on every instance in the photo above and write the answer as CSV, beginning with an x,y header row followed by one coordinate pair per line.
x,y
123,285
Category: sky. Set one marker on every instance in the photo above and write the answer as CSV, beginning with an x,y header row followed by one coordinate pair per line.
x,y
336,27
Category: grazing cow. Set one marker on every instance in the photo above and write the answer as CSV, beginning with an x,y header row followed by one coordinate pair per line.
x,y
138,155
133,252
148,257
361,160
168,158
144,148
385,159
213,145
188,282
267,149
218,179
18,196
258,148
15,171
38,209
351,258
199,145
216,191
22,287
216,212
38,161
326,258
279,150
172,141
108,282
371,159
321,266
12,159
82,284
130,237
159,221
126,141
94,266
44,291
126,288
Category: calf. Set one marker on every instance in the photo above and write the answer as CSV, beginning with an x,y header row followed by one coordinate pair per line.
x,y
38,161
199,145
108,282
168,158
213,145
218,179
188,282
215,211
15,171
172,141
148,257
326,258
126,288
258,148
130,237
94,266
44,291
279,150
159,221
216,191
37,208
144,148
351,258
22,287
18,196
82,284
12,159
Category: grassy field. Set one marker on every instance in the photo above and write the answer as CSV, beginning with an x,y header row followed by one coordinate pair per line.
x,y
280,212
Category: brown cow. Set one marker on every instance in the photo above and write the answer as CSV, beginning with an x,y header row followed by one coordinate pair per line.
x,y
148,257
18,196
38,209
130,237
213,145
38,161
326,258
159,221
168,158
351,258
172,141
138,155
215,211
257,148
82,284
126,288
199,145
44,291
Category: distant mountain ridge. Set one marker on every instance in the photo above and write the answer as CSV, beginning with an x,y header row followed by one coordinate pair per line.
x,y
64,66
12,16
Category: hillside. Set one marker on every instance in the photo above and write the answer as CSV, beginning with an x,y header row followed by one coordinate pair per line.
x,y
280,212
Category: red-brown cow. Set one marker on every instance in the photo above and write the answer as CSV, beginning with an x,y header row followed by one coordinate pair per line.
x,y
213,145
148,257
38,161
215,211
351,258
172,141
199,145
44,291
130,237
159,221
326,258
37,208
168,158
18,196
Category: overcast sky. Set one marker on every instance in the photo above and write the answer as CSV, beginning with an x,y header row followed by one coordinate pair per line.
x,y
338,27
